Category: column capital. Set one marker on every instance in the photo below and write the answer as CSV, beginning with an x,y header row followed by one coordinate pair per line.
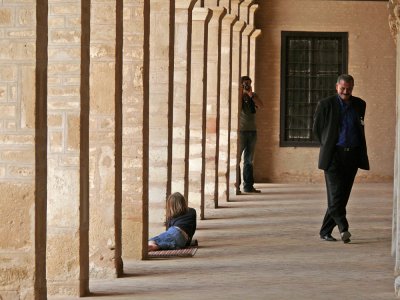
x,y
201,14
239,26
255,34
229,19
248,30
244,10
394,18
235,7
254,7
218,12
252,11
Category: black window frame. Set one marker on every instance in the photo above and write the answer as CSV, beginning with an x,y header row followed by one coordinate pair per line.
x,y
285,38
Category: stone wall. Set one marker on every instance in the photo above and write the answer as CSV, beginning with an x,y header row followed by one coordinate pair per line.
x,y
371,62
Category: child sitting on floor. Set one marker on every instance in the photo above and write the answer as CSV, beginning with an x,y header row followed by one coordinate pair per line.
x,y
181,225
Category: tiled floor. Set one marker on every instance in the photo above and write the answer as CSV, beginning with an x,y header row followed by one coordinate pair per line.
x,y
266,246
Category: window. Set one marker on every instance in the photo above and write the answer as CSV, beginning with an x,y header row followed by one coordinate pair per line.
x,y
310,65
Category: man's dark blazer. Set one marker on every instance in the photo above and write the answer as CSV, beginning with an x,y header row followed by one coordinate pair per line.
x,y
326,129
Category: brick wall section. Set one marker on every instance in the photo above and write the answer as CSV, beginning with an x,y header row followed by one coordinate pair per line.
x,y
371,52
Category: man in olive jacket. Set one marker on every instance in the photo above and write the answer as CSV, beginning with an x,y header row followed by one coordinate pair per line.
x,y
339,128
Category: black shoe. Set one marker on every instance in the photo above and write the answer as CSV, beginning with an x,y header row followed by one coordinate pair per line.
x,y
237,186
345,237
252,190
328,237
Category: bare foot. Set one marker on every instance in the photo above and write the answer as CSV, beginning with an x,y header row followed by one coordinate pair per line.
x,y
153,247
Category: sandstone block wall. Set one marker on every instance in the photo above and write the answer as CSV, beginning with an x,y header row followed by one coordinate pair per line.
x,y
372,62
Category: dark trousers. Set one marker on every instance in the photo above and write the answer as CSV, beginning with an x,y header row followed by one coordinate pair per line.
x,y
339,178
247,146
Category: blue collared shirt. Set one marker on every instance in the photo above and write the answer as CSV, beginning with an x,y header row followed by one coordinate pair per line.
x,y
349,134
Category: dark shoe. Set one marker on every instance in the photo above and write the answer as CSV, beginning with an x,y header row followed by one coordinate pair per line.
x,y
238,192
328,237
345,237
252,190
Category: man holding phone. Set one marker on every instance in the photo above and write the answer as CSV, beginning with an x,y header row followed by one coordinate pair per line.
x,y
250,103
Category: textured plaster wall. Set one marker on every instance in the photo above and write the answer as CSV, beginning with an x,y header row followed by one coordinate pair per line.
x,y
371,62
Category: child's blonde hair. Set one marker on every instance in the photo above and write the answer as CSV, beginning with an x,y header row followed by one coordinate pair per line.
x,y
176,206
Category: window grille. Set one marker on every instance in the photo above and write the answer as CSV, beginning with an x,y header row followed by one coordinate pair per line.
x,y
310,65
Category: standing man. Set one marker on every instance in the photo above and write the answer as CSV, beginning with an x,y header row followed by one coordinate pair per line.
x,y
247,135
339,128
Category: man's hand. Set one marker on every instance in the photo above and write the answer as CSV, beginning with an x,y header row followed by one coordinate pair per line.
x,y
257,100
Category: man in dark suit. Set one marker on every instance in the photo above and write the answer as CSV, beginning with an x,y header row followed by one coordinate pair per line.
x,y
339,128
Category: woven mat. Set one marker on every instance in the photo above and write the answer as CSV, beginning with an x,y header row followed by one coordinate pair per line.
x,y
186,252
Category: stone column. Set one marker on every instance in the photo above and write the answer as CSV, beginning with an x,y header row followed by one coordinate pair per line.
x,y
226,4
102,173
238,28
68,126
245,49
235,7
252,44
224,107
394,23
181,94
161,80
252,12
244,10
212,137
23,149
198,100
134,126
252,56
396,181
244,16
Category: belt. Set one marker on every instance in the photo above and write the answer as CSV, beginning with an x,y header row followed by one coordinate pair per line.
x,y
347,149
